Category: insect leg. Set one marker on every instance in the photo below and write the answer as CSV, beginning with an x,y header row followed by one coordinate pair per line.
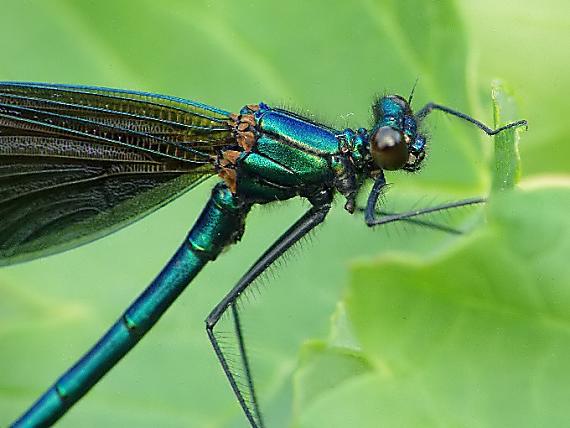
x,y
312,218
429,107
370,214
418,222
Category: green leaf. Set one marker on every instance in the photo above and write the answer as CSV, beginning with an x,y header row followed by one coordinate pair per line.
x,y
507,158
324,369
476,336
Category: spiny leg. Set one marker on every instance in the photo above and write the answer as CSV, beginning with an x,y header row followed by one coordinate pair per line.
x,y
372,219
416,222
312,218
245,362
429,107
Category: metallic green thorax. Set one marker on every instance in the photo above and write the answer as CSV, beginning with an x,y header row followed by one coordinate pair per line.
x,y
291,156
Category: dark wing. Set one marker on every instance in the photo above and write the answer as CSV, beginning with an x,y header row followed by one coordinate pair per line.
x,y
77,163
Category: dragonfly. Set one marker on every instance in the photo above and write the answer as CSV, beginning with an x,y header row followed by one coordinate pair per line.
x,y
80,162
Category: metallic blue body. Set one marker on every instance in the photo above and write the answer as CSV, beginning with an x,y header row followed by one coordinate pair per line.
x,y
220,224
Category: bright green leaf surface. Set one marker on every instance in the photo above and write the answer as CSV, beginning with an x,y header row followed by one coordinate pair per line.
x,y
506,170
475,337
328,58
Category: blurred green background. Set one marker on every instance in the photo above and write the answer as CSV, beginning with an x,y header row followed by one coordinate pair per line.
x,y
428,329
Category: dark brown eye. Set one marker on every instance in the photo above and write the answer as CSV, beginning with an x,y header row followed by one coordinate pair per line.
x,y
388,148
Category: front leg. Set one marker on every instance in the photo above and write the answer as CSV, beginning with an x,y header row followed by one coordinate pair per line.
x,y
245,392
429,107
373,220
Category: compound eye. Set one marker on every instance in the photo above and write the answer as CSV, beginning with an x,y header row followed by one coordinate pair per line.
x,y
388,148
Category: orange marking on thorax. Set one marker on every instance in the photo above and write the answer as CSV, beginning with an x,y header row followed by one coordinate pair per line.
x,y
244,131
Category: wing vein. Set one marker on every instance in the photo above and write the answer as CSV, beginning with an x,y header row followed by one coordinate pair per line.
x,y
99,137
116,112
91,179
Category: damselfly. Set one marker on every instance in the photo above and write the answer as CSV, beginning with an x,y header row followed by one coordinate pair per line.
x,y
78,162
